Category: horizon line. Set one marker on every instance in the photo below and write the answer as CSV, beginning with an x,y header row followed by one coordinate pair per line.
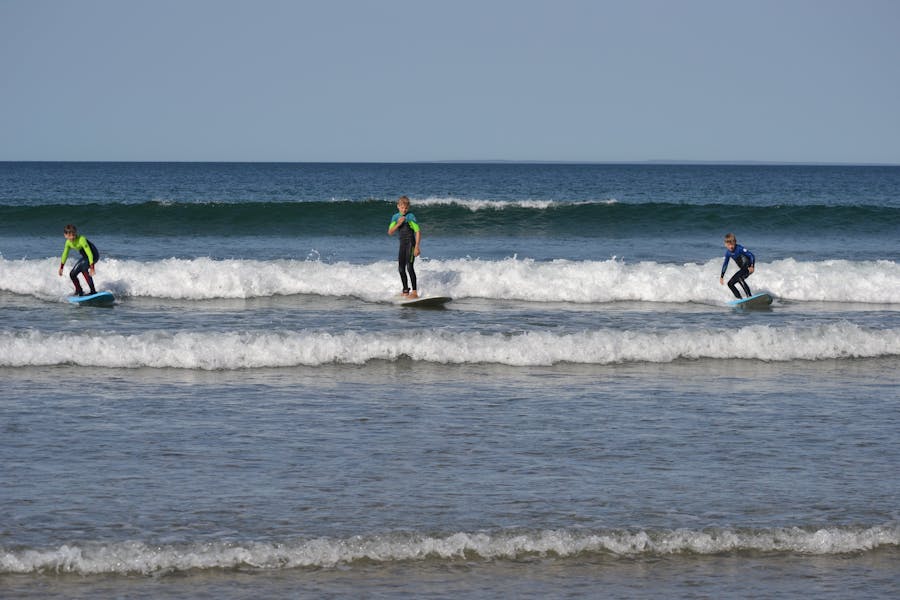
x,y
673,162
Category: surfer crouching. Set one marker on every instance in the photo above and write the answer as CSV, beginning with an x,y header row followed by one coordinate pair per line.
x,y
745,261
89,256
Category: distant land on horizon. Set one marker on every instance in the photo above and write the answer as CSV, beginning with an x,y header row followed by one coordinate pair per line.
x,y
670,162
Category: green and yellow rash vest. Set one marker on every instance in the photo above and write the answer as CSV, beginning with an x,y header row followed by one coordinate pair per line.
x,y
409,229
81,244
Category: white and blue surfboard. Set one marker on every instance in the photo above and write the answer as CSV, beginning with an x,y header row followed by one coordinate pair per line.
x,y
98,299
761,300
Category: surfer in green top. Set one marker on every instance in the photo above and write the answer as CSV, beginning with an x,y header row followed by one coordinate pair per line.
x,y
405,223
85,265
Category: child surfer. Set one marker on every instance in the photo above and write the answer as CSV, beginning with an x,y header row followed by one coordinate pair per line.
x,y
410,236
89,256
745,261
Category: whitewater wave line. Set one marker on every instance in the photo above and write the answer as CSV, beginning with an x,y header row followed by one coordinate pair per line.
x,y
475,205
255,349
145,558
876,282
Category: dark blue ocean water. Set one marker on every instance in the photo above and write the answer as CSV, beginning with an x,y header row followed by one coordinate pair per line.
x,y
256,416
160,210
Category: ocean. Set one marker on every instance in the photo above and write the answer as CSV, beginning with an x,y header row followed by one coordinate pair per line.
x,y
256,416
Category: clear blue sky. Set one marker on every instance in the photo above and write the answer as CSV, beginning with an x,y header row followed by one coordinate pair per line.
x,y
354,80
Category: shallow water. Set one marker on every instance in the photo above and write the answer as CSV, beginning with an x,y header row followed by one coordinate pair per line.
x,y
244,423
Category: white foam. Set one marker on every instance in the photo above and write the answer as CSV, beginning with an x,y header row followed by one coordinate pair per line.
x,y
139,557
255,349
474,204
509,279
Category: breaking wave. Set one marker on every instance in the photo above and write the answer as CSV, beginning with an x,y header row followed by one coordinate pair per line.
x,y
244,350
147,558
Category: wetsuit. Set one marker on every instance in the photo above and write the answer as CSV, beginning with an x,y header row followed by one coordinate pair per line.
x,y
744,259
89,256
406,256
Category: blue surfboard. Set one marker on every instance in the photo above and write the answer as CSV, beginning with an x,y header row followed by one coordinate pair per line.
x,y
98,299
761,300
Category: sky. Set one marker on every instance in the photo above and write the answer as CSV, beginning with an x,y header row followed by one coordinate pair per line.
x,y
428,80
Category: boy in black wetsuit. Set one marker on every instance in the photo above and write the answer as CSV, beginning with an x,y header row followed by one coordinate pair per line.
x,y
745,261
410,236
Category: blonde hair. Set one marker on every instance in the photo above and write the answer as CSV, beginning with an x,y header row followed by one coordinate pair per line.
x,y
403,200
729,237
